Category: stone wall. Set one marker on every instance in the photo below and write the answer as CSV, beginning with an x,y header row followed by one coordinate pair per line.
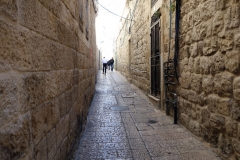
x,y
47,76
133,47
209,70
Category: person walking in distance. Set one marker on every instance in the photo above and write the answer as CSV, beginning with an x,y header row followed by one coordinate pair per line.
x,y
111,63
104,62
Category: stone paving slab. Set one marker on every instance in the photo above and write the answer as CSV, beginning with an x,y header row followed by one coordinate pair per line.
x,y
138,132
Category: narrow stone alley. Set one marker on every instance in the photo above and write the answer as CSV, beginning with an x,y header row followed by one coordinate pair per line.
x,y
122,124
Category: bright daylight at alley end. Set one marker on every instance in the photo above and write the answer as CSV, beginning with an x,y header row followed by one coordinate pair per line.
x,y
120,80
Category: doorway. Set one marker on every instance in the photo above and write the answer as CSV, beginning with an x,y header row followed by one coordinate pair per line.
x,y
155,57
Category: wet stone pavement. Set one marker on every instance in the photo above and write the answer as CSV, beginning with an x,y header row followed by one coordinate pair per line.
x,y
122,124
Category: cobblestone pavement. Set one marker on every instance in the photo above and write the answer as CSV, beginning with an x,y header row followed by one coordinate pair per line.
x,y
122,124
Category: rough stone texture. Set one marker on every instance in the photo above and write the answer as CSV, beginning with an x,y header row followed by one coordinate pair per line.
x,y
133,47
47,76
9,9
211,37
208,66
236,88
223,84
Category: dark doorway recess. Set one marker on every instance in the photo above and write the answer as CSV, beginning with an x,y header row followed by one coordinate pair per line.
x,y
155,56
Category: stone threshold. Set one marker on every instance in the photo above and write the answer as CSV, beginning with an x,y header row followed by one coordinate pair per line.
x,y
154,100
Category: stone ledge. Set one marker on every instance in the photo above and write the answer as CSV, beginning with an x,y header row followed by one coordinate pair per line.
x,y
154,100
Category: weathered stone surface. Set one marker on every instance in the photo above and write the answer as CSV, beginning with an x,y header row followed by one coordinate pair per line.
x,y
217,122
196,83
194,127
202,31
235,112
65,35
207,83
231,128
238,130
62,129
69,99
9,9
236,88
15,138
232,61
40,151
187,38
236,146
32,90
41,121
211,46
188,106
220,5
35,17
205,113
196,66
207,9
38,63
232,17
218,22
62,105
51,143
224,106
200,48
225,144
15,52
9,109
184,93
184,119
185,80
225,44
73,116
191,65
64,148
218,63
205,65
184,52
212,101
210,135
62,57
193,96
194,50
237,40
223,84
202,99
53,84
208,68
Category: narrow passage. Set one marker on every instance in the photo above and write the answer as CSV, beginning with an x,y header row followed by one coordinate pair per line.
x,y
122,124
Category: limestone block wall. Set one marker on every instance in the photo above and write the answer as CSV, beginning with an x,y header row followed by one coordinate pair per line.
x,y
140,61
209,70
47,76
134,50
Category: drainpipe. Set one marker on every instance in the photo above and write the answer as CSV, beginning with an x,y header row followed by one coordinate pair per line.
x,y
177,19
170,29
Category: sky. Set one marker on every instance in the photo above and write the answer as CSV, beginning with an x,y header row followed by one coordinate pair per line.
x,y
107,25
